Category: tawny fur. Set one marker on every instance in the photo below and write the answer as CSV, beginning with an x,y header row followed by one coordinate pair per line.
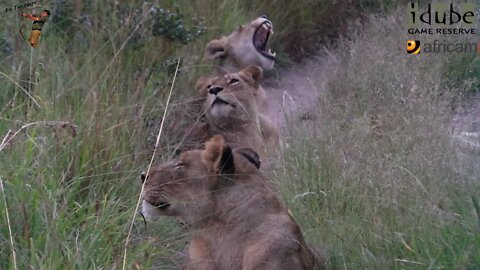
x,y
231,109
235,219
237,51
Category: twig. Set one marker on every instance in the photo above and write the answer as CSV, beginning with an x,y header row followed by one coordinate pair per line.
x,y
14,254
30,71
6,139
149,166
416,179
9,137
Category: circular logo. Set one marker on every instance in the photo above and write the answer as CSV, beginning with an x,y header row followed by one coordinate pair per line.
x,y
413,46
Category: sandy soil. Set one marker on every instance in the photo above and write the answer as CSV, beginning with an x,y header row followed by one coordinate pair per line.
x,y
292,93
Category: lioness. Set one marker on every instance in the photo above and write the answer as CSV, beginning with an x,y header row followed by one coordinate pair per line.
x,y
245,46
235,219
231,110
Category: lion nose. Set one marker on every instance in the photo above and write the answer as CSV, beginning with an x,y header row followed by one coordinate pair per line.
x,y
215,89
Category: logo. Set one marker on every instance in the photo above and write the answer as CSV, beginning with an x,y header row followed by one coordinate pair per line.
x,y
37,20
454,20
442,18
442,46
413,46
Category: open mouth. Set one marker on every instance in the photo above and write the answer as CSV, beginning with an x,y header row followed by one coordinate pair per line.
x,y
220,101
261,37
161,205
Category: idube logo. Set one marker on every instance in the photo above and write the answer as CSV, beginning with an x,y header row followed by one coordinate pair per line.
x,y
455,21
442,18
413,46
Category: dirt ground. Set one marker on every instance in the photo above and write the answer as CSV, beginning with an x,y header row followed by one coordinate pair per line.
x,y
293,94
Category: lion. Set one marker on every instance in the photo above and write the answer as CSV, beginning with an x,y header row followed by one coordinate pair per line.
x,y
245,46
231,109
235,219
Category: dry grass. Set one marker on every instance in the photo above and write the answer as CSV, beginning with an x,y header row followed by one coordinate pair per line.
x,y
374,178
379,180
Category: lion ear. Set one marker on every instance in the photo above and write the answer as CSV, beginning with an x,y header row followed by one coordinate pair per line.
x,y
216,49
253,75
218,156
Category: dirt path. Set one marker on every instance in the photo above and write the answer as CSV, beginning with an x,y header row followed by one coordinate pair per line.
x,y
293,92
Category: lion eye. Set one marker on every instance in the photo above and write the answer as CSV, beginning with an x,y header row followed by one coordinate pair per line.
x,y
233,81
179,165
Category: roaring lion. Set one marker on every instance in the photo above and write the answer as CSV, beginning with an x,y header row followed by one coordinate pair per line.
x,y
231,109
245,46
235,219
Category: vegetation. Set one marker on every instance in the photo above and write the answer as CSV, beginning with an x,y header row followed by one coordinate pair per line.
x,y
379,180
375,179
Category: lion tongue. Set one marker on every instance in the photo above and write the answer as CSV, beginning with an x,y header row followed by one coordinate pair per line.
x,y
261,38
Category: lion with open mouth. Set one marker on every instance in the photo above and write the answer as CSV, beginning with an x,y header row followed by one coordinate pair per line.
x,y
247,45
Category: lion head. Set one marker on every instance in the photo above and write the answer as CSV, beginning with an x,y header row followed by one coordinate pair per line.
x,y
232,107
184,187
231,99
234,216
245,46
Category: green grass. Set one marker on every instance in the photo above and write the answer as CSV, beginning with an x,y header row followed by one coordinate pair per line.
x,y
376,181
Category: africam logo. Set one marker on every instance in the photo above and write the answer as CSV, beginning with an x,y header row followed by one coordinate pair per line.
x,y
38,20
413,46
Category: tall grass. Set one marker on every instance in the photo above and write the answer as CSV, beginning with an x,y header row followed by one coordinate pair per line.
x,y
70,195
379,181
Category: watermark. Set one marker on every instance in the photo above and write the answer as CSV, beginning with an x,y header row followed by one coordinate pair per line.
x,y
413,47
442,19
38,21
35,13
21,6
